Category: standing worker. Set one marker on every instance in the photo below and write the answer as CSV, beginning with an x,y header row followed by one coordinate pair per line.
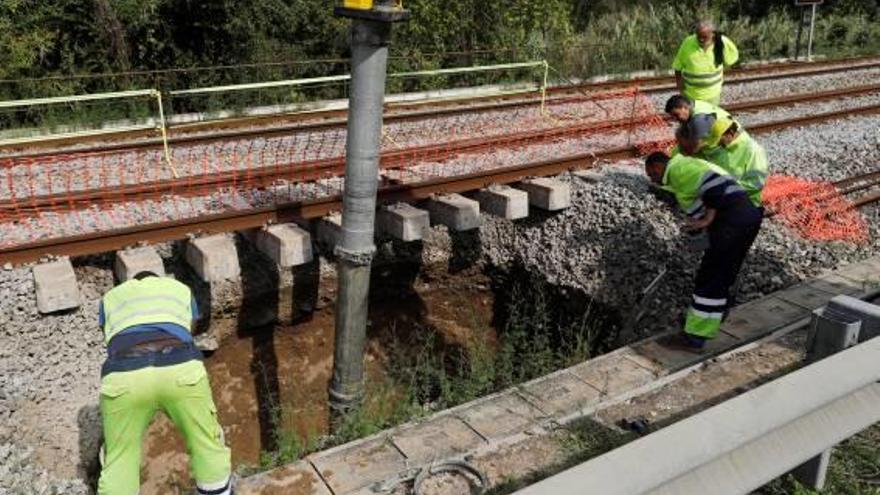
x,y
714,201
700,61
153,365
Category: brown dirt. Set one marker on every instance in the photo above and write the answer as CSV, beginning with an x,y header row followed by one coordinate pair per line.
x,y
292,365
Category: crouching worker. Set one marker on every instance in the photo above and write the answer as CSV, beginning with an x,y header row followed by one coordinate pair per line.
x,y
682,109
712,200
153,365
743,157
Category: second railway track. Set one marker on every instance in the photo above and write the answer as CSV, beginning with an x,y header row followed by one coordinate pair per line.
x,y
259,126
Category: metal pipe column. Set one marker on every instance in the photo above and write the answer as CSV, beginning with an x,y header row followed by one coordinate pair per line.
x,y
369,51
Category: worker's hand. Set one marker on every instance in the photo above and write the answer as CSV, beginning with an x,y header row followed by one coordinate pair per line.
x,y
701,223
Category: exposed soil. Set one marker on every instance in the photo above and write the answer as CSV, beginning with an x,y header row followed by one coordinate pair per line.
x,y
257,374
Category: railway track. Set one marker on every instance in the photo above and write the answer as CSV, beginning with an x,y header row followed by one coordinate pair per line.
x,y
311,209
249,127
334,167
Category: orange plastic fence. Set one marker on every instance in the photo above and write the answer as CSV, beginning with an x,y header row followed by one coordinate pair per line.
x,y
815,210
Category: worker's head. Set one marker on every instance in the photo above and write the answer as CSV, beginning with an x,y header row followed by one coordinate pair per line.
x,y
688,142
730,134
705,31
655,166
144,274
679,107
723,131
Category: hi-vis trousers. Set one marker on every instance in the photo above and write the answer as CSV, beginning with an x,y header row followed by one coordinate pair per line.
x,y
130,399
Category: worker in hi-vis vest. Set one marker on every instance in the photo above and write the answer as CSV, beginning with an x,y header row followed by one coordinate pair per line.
x,y
153,365
714,201
741,156
700,61
698,117
681,108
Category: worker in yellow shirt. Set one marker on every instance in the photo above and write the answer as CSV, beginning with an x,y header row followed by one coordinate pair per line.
x,y
700,61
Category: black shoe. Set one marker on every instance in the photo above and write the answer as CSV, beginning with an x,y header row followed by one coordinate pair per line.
x,y
684,342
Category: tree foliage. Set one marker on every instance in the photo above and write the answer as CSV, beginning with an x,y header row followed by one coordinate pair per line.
x,y
40,38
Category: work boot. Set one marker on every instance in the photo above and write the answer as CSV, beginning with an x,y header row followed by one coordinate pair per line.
x,y
684,342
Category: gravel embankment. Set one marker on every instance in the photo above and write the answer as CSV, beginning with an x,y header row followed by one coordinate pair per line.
x,y
617,236
610,244
49,377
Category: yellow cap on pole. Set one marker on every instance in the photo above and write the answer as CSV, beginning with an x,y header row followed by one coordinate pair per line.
x,y
358,4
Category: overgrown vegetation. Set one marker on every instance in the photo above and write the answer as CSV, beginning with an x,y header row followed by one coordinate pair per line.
x,y
64,47
538,335
854,470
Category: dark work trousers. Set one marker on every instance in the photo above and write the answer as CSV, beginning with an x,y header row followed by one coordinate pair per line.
x,y
729,243
730,238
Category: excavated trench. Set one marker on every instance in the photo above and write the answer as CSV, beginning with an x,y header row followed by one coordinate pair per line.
x,y
433,341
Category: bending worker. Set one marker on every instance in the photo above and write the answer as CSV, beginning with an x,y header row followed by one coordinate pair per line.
x,y
700,61
712,200
682,109
154,365
697,119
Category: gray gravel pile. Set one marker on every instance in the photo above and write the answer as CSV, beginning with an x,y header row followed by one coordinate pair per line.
x,y
617,236
20,476
610,244
49,376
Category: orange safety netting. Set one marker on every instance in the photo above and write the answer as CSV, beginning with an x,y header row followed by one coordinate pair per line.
x,y
815,210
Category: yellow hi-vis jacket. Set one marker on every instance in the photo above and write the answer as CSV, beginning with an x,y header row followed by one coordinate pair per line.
x,y
141,302
746,160
705,108
702,77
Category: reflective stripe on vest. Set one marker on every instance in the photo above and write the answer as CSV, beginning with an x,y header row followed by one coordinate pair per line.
x,y
704,75
689,178
141,302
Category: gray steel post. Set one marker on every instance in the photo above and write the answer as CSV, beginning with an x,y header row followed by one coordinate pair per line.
x,y
369,55
831,331
812,30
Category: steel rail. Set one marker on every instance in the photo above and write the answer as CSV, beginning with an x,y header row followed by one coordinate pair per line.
x,y
330,167
422,109
316,208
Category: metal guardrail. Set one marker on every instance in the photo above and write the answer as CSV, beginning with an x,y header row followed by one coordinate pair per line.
x,y
742,444
160,126
346,77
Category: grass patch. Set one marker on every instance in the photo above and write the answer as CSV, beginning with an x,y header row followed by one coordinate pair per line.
x,y
854,470
539,330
